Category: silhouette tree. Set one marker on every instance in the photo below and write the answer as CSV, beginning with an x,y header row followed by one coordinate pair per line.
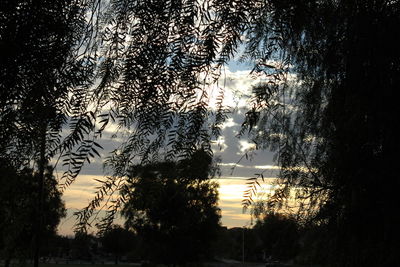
x,y
44,76
279,235
18,195
329,114
175,213
41,76
118,241
83,246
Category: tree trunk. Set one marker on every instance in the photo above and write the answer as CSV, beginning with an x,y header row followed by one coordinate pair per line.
x,y
39,207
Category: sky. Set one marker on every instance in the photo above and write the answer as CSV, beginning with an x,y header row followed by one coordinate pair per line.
x,y
235,168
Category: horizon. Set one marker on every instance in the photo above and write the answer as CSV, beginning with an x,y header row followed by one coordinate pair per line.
x,y
230,197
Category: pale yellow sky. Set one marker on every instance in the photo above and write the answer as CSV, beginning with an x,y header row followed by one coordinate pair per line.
x,y
230,194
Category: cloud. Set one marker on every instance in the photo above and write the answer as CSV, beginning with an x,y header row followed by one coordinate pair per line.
x,y
245,146
81,191
233,218
219,145
229,123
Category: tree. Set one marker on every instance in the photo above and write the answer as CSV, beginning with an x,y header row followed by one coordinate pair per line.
x,y
44,75
118,241
18,195
83,246
175,213
280,236
40,71
333,123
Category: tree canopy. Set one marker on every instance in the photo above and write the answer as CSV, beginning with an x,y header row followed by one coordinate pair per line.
x,y
44,76
279,235
333,127
176,215
41,74
18,197
118,241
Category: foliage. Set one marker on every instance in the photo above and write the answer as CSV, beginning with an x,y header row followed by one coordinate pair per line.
x,y
117,241
58,247
176,214
45,72
280,236
41,75
83,246
158,57
156,61
328,114
18,195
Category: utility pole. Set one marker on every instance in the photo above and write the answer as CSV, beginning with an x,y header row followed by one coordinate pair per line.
x,y
40,200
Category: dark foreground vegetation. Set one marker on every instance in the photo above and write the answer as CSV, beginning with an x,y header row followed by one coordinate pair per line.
x,y
275,240
326,105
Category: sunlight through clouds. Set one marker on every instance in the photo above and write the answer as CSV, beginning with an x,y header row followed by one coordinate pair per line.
x,y
245,146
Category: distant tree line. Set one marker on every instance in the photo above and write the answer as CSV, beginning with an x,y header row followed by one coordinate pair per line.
x,y
275,238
